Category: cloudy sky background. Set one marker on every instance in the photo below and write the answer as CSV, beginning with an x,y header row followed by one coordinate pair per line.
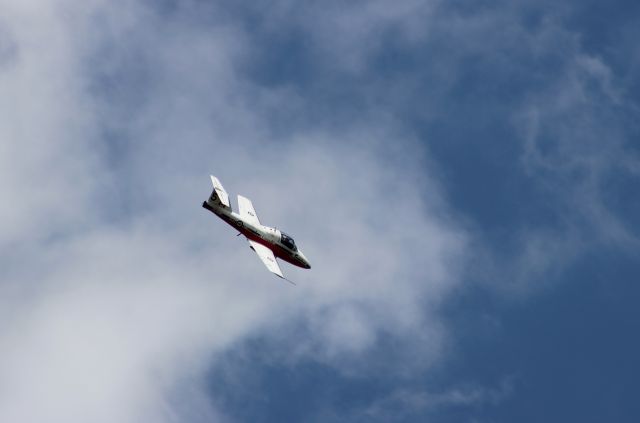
x,y
463,176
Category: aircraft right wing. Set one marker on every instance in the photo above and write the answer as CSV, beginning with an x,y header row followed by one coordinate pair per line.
x,y
267,257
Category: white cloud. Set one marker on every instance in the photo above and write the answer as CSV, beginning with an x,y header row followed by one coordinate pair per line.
x,y
121,291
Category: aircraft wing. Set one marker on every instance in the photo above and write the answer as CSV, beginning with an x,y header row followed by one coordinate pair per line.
x,y
267,257
247,211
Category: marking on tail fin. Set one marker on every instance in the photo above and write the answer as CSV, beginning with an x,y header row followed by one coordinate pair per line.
x,y
220,192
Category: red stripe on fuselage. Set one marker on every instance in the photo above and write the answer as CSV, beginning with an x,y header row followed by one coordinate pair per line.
x,y
278,251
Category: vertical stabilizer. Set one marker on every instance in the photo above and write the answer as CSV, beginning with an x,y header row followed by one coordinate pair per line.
x,y
219,196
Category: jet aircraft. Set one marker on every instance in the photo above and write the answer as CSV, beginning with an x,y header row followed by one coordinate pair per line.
x,y
267,242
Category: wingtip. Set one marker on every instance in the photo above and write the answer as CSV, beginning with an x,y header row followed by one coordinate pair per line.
x,y
290,281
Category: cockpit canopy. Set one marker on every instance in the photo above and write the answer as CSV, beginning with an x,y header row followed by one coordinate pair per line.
x,y
288,242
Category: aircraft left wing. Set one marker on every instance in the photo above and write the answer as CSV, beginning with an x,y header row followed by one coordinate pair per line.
x,y
267,257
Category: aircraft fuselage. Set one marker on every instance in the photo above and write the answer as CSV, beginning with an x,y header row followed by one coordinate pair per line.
x,y
265,235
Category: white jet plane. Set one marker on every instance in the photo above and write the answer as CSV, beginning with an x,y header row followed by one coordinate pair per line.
x,y
267,242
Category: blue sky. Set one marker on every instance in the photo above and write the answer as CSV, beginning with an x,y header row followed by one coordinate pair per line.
x,y
463,177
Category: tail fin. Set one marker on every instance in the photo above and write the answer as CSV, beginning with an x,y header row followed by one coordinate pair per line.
x,y
219,195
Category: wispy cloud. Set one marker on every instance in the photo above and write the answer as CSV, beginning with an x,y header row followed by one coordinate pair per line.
x,y
404,405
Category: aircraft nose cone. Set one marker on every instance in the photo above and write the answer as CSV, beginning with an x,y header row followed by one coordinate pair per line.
x,y
305,262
